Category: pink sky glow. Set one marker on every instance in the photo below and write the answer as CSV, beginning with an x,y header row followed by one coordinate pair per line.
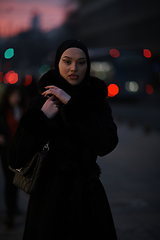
x,y
16,15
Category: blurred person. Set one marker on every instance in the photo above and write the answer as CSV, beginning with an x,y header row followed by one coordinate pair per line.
x,y
11,110
72,113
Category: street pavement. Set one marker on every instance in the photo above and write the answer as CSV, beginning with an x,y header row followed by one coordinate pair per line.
x,y
131,178
143,112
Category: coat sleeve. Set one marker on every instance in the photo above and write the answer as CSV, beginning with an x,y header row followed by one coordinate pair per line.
x,y
97,127
33,132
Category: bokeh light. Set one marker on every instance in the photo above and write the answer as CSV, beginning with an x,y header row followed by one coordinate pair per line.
x,y
28,80
149,89
147,53
101,66
101,74
113,90
43,69
9,53
114,53
131,86
10,77
103,70
96,66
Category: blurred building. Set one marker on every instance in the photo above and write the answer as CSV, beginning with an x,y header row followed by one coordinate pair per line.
x,y
120,23
35,21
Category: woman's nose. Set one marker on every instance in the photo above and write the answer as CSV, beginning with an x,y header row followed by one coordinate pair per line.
x,y
74,67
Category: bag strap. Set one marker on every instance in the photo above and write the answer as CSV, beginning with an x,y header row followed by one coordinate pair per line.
x,y
45,148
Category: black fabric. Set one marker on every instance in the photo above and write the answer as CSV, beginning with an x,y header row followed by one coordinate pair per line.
x,y
10,191
70,201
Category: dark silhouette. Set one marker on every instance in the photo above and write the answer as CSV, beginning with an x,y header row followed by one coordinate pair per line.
x,y
73,114
11,110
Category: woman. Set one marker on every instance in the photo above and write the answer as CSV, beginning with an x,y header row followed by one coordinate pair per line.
x,y
73,114
11,110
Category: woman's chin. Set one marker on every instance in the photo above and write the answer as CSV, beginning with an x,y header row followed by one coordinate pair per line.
x,y
74,82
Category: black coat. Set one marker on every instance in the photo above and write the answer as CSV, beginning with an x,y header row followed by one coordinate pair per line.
x,y
70,202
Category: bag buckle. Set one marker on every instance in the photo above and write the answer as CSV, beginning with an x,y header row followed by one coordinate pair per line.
x,y
46,147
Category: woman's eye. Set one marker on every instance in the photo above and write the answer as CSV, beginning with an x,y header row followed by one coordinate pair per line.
x,y
67,62
82,63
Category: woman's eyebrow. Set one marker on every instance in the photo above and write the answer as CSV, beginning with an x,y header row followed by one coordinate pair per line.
x,y
71,58
67,57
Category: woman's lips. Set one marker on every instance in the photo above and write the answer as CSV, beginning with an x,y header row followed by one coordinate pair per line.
x,y
73,76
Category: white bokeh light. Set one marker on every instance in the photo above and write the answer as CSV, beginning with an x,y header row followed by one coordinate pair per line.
x,y
131,86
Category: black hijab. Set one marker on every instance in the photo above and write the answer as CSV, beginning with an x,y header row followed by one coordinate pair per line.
x,y
53,77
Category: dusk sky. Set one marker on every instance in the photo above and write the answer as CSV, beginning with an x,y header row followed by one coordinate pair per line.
x,y
16,15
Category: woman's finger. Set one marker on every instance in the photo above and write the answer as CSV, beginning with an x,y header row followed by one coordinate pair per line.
x,y
53,87
49,91
59,93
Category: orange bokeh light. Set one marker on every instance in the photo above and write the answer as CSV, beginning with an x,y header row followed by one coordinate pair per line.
x,y
113,90
147,53
149,89
28,80
114,53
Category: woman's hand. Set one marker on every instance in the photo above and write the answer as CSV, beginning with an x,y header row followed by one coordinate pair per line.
x,y
58,92
50,107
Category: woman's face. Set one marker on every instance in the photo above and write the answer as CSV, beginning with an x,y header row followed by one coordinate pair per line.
x,y
73,65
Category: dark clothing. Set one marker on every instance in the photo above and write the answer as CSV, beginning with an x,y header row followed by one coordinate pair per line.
x,y
10,191
70,202
8,126
12,123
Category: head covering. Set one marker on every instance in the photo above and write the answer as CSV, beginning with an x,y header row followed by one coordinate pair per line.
x,y
53,77
72,43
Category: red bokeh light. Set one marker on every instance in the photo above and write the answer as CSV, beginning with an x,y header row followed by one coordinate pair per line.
x,y
149,89
10,77
28,80
6,77
114,53
113,90
13,78
147,53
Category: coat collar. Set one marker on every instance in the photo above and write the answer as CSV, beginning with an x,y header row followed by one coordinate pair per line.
x,y
95,88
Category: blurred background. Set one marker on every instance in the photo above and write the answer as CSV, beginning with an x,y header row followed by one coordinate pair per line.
x,y
123,40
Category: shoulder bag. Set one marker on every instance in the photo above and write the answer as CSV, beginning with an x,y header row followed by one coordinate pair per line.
x,y
27,177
